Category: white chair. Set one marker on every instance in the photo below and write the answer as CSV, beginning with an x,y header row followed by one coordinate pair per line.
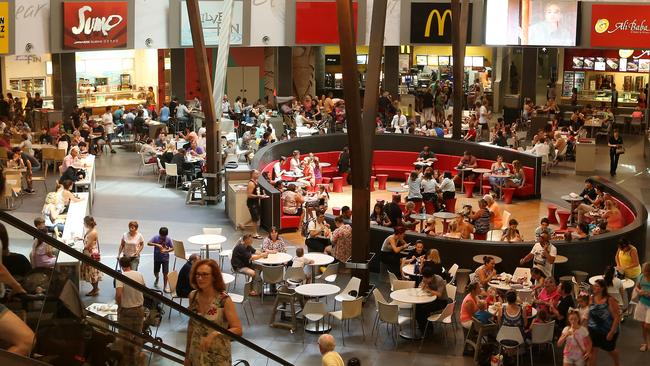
x,y
243,299
350,309
350,292
172,280
330,274
452,272
391,278
389,314
542,334
211,231
294,276
171,171
445,317
223,254
314,312
451,291
506,218
510,338
62,145
179,251
525,295
271,275
144,164
521,272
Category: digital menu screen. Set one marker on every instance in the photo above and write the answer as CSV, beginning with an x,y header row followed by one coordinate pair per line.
x,y
421,60
578,62
612,64
644,65
531,23
432,60
589,63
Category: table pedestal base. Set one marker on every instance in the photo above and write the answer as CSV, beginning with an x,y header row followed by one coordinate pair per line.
x,y
319,328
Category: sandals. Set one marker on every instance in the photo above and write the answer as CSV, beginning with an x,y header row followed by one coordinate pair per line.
x,y
643,348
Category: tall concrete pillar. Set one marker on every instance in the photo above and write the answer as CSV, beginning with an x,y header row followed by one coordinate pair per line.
x,y
529,73
284,71
177,58
391,70
64,82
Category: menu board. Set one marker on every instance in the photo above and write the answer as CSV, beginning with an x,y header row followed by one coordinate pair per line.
x,y
632,65
589,63
477,61
432,60
599,66
421,60
578,63
612,64
468,61
622,65
644,65
443,60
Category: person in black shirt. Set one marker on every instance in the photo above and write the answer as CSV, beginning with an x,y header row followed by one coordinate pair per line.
x,y
589,193
394,212
561,310
183,287
500,140
243,255
38,101
427,105
4,108
426,154
615,144
344,161
45,137
76,118
17,264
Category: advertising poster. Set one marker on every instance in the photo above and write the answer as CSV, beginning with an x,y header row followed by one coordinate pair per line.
x,y
317,22
620,26
431,23
4,28
95,25
211,19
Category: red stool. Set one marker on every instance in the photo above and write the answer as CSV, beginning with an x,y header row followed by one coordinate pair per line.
x,y
429,207
336,211
450,205
382,179
469,189
418,206
480,236
564,216
507,195
338,184
445,226
485,189
327,180
552,219
406,177
345,178
372,183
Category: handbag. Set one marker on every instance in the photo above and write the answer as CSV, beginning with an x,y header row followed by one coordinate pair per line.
x,y
96,256
620,150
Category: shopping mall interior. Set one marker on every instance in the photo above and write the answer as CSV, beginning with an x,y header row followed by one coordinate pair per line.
x,y
497,149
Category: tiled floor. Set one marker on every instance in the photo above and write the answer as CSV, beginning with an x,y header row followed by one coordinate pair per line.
x,y
122,196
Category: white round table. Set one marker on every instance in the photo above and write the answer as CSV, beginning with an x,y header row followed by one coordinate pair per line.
x,y
479,258
274,259
317,290
207,240
227,278
409,269
412,296
559,259
320,259
324,164
627,283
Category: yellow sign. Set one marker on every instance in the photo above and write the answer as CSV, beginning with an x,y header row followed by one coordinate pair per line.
x,y
441,22
4,28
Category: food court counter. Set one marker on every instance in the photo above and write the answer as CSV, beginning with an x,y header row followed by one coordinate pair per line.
x,y
591,256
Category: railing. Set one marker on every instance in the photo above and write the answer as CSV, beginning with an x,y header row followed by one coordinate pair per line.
x,y
156,347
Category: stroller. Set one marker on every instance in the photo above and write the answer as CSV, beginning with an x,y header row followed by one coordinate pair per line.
x,y
153,313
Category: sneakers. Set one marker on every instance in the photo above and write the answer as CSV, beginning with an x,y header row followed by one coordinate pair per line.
x,y
168,290
113,152
155,283
29,191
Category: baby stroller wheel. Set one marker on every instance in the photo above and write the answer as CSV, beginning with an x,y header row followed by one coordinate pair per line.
x,y
156,346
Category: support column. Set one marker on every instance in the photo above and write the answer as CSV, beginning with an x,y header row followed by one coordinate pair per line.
x,y
529,71
391,70
283,71
64,82
177,56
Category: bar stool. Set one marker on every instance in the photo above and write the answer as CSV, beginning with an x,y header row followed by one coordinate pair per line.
x,y
327,180
485,189
429,207
336,211
337,182
580,276
469,189
382,179
345,178
450,205
372,183
552,219
507,195
564,216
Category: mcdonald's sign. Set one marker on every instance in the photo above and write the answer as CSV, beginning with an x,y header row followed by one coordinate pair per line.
x,y
431,23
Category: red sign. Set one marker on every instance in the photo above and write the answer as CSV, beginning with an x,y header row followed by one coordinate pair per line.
x,y
95,25
317,22
620,26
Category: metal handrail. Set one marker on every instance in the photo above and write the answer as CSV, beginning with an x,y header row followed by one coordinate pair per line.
x,y
32,231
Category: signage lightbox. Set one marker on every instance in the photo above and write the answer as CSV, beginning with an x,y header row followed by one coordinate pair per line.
x,y
620,26
95,25
431,23
211,19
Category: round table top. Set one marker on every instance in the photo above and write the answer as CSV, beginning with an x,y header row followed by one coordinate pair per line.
x,y
397,189
627,283
559,259
464,169
293,174
297,184
275,259
501,175
206,239
409,269
412,296
421,216
570,198
227,278
481,170
505,286
317,289
445,215
479,258
324,164
320,259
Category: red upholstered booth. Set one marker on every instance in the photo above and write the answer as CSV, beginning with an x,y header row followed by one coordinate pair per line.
x,y
288,221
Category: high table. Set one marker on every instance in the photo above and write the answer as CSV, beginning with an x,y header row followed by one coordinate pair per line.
x,y
502,178
421,217
207,240
479,258
627,283
412,296
482,172
444,216
575,202
320,259
462,176
318,290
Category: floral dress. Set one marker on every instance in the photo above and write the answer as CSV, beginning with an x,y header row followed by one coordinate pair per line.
x,y
219,354
89,273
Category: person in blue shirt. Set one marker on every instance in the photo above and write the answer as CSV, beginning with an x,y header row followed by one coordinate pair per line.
x,y
439,131
118,114
164,113
482,314
162,244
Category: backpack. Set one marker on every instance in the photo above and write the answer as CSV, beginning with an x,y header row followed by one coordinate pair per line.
x,y
304,229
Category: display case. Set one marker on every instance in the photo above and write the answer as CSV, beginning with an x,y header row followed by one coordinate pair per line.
x,y
28,85
98,101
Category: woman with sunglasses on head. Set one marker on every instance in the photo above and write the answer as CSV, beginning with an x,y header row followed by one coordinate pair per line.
x,y
206,346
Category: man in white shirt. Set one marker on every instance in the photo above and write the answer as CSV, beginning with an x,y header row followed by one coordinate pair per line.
x,y
542,149
399,122
109,127
277,169
543,255
484,115
130,313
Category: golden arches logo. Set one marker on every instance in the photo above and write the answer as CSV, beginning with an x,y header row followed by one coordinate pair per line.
x,y
441,21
